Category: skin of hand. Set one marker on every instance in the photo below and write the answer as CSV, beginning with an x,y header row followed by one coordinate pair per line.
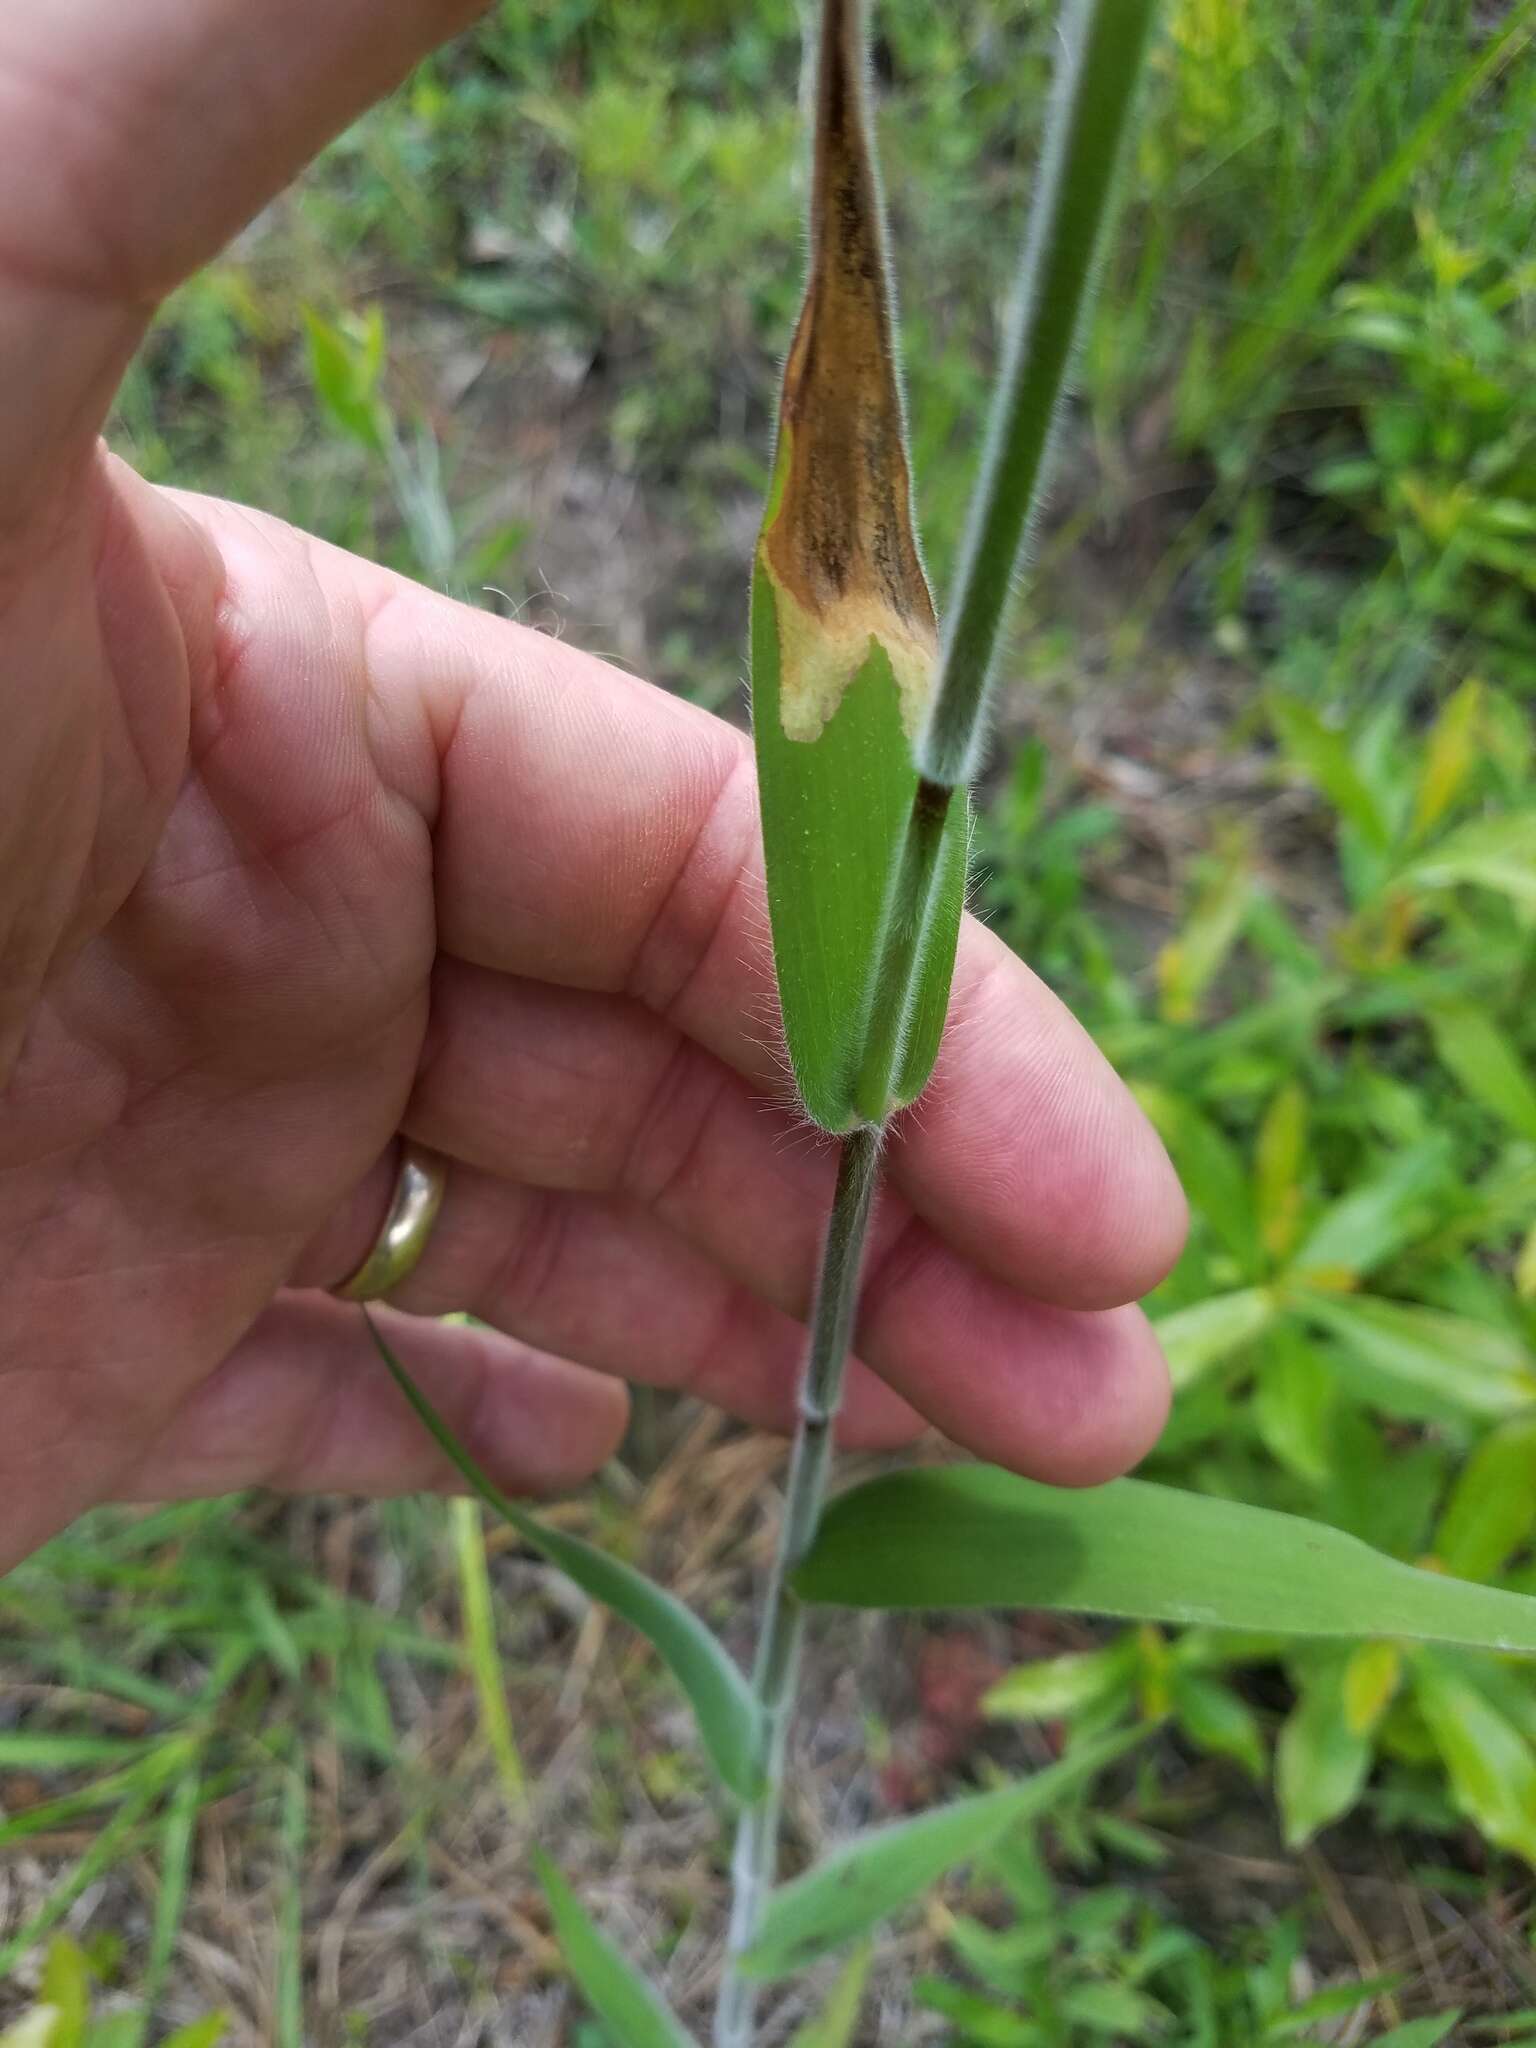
x,y
295,855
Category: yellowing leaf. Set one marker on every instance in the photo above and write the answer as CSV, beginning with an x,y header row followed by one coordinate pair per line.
x,y
1525,1267
1370,1679
1277,1169
1448,756
1187,965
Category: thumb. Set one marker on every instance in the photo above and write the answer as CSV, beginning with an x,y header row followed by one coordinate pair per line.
x,y
136,140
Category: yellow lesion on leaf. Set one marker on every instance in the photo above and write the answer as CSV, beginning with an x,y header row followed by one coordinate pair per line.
x,y
838,544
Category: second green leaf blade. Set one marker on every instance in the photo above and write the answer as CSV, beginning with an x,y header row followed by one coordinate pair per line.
x,y
844,650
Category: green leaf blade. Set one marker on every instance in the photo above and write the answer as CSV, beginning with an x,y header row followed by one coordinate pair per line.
x,y
1196,1338
878,1872
1428,1365
729,1717
975,1536
835,813
615,1990
1321,1761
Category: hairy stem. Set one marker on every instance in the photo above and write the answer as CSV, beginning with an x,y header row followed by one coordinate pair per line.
x,y
896,983
1101,50
778,1653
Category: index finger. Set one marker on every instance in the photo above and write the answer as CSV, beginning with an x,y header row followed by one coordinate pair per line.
x,y
594,832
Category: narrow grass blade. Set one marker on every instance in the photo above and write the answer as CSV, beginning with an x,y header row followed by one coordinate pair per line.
x,y
844,647
877,1873
730,1719
975,1536
484,1658
24,1750
176,1836
288,1999
615,1990
834,2025
113,1842
161,1763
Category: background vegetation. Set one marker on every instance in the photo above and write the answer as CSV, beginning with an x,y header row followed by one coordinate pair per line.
x,y
1265,813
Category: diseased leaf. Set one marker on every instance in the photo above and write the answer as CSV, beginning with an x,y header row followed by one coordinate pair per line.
x,y
729,1718
975,1536
866,1880
615,1990
845,648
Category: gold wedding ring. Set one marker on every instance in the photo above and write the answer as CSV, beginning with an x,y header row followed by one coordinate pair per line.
x,y
413,1210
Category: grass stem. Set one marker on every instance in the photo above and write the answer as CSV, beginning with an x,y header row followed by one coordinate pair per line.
x,y
783,1628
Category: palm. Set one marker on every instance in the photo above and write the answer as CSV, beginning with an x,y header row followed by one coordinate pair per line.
x,y
234,1040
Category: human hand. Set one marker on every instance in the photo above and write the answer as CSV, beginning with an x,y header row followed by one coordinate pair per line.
x,y
294,855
